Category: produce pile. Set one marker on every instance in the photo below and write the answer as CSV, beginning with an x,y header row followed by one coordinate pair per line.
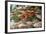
x,y
25,16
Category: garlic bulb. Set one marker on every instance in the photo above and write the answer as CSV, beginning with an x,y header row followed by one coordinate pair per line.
x,y
38,16
29,24
12,24
38,25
